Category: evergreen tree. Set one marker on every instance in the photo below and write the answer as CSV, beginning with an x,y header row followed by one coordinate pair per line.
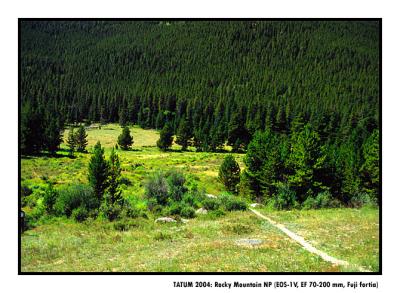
x,y
183,135
305,160
238,135
166,137
32,130
98,171
123,117
81,139
229,173
52,136
370,170
125,139
263,164
114,178
71,141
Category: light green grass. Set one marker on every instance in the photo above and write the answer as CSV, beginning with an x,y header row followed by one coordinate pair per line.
x,y
136,164
200,245
348,234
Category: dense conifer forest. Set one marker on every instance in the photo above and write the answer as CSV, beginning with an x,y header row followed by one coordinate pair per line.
x,y
300,98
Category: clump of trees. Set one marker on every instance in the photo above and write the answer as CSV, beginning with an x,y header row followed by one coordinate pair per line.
x,y
77,141
299,169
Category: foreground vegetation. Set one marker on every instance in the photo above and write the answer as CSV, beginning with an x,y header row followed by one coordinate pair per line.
x,y
64,240
206,243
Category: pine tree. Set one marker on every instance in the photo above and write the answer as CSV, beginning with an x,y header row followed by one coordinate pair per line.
x,y
238,135
166,137
98,171
123,117
125,139
229,173
71,141
114,178
305,160
52,136
263,164
81,139
370,170
183,135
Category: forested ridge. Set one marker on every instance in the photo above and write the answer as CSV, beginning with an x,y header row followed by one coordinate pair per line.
x,y
308,86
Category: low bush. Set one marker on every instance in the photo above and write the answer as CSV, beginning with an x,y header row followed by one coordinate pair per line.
x,y
111,212
285,198
232,203
322,200
124,225
215,214
363,199
160,236
238,228
156,188
49,199
79,214
75,196
188,212
211,204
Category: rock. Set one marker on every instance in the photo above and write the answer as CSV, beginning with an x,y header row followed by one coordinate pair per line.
x,y
254,205
210,195
248,242
201,211
165,220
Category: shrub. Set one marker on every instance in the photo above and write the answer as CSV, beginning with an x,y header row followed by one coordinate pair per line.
x,y
239,228
74,196
322,200
216,214
285,198
111,211
188,212
162,236
49,199
363,199
124,225
176,181
211,204
232,203
156,187
79,214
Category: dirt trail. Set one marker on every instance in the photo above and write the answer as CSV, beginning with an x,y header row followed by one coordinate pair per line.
x,y
307,245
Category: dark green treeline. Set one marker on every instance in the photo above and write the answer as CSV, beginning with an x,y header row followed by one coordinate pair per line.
x,y
212,81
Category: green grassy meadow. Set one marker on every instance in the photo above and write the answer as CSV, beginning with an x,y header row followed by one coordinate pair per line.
x,y
205,243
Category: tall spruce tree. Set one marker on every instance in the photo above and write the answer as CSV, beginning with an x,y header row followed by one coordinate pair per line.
x,y
53,136
81,139
71,141
305,160
263,164
114,178
98,171
370,170
229,173
184,134
125,140
166,137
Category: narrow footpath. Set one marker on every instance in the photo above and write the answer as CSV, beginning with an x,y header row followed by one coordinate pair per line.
x,y
307,246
